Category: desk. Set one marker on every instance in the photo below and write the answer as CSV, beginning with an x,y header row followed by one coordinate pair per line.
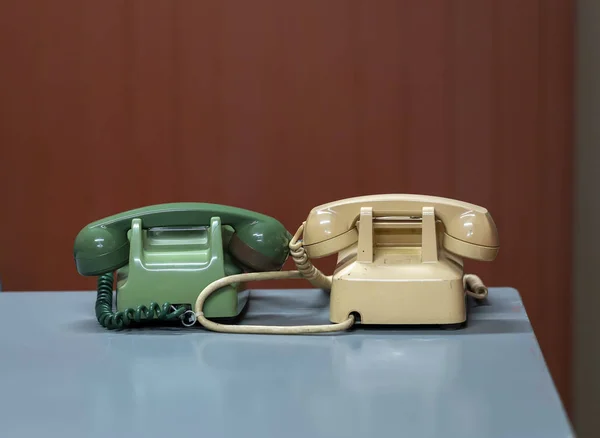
x,y
62,375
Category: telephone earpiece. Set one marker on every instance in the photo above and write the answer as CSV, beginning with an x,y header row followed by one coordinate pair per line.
x,y
259,246
101,249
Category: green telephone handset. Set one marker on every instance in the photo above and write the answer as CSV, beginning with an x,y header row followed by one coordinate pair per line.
x,y
164,254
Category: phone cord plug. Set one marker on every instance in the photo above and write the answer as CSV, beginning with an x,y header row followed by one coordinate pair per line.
x,y
304,265
119,320
261,329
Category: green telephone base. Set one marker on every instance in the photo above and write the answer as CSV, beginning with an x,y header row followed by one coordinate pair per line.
x,y
173,265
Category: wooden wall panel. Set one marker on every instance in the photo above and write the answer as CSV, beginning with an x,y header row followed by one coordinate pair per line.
x,y
280,106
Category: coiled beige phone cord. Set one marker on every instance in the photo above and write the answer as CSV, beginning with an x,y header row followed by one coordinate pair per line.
x,y
304,265
474,287
472,284
305,270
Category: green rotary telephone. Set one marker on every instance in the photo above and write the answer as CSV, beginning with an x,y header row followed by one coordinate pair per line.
x,y
165,254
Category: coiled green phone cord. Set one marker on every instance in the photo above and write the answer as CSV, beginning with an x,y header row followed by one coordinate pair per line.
x,y
119,320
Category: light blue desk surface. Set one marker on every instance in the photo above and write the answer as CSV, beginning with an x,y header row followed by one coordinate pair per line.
x,y
62,375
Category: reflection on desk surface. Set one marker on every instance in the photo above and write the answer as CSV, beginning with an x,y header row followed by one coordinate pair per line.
x,y
78,379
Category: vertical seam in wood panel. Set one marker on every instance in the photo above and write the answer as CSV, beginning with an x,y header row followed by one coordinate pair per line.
x,y
495,113
450,90
401,184
219,96
361,144
570,152
45,141
129,43
176,139
539,264
548,292
408,89
404,107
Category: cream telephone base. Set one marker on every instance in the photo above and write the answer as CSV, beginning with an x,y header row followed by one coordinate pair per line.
x,y
388,278
399,262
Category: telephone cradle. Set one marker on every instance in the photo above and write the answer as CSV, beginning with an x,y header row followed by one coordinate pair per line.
x,y
168,265
399,261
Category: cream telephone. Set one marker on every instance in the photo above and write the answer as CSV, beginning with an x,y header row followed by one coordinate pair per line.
x,y
399,261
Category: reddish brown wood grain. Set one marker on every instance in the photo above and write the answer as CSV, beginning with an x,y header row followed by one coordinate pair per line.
x,y
280,106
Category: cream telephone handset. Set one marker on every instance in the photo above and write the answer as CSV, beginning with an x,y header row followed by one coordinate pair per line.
x,y
400,261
